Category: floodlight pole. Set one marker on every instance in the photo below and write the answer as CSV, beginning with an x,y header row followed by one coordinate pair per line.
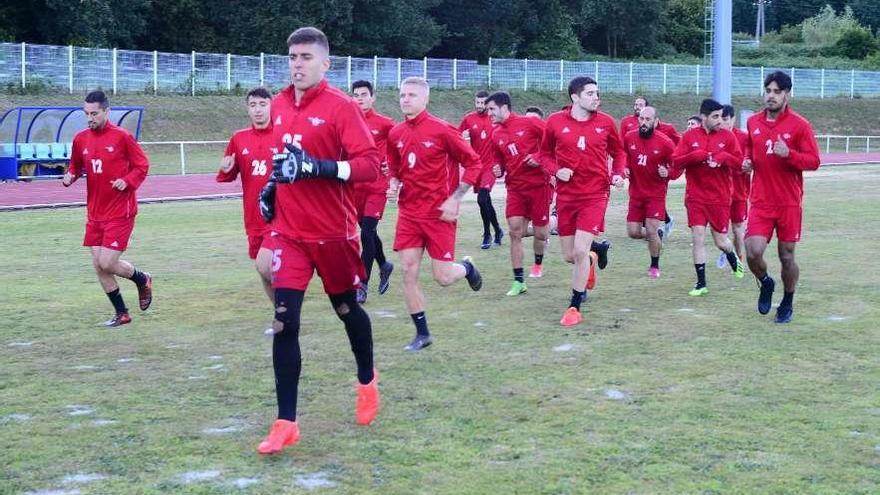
x,y
722,51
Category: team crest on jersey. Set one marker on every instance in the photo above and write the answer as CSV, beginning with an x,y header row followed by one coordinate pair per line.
x,y
245,152
427,144
520,133
786,136
278,120
695,145
566,130
316,121
400,145
632,146
599,130
375,132
109,149
656,152
721,145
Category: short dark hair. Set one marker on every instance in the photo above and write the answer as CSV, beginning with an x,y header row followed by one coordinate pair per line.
x,y
640,97
362,84
482,94
576,85
696,117
709,105
258,92
99,97
728,111
781,79
308,36
536,110
500,98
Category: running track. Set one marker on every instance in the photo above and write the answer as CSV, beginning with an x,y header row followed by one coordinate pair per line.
x,y
158,188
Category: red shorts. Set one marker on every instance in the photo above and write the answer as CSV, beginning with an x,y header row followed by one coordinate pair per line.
x,y
486,180
111,234
739,211
786,220
700,214
586,215
436,236
370,204
255,242
338,263
533,204
644,208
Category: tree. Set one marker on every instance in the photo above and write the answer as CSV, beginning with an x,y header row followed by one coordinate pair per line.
x,y
478,29
856,43
682,26
621,28
396,28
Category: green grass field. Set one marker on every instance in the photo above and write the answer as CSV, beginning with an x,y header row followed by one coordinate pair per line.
x,y
656,393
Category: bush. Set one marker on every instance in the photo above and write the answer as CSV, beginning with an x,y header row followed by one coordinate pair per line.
x,y
856,43
825,28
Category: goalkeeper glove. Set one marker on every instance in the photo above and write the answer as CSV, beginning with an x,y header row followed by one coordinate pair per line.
x,y
296,165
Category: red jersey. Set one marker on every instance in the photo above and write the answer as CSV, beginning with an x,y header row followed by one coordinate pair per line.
x,y
779,181
644,158
741,181
583,147
629,123
424,154
514,140
253,150
328,125
669,130
379,126
105,155
479,127
706,184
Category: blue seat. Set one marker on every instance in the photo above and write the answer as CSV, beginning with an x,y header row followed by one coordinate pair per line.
x,y
26,152
42,151
59,151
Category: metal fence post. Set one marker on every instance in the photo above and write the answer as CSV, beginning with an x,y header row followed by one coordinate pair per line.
x,y
155,72
847,144
561,74
70,69
664,79
490,72
375,71
348,72
398,71
182,160
228,72
761,82
792,81
822,84
23,66
192,74
630,78
698,79
596,73
525,74
114,71
455,73
262,72
852,83
425,68
827,144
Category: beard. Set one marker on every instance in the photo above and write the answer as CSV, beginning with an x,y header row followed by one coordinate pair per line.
x,y
646,132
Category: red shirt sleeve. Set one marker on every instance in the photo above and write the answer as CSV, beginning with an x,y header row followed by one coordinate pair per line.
x,y
231,149
732,159
616,152
76,159
547,156
392,156
803,152
138,162
357,143
683,157
461,152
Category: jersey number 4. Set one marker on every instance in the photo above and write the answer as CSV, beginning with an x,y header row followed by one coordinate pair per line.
x,y
582,143
97,165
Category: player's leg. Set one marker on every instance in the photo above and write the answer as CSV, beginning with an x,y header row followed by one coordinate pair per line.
x,y
539,246
516,229
263,264
739,234
484,201
698,237
759,231
790,275
368,253
386,268
115,241
287,365
724,243
360,337
581,256
410,262
635,230
111,288
653,227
